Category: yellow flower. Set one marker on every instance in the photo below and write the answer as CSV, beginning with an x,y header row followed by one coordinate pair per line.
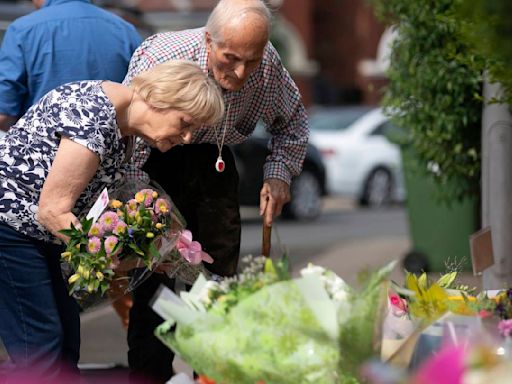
x,y
90,287
139,197
221,299
429,300
155,194
159,225
66,255
77,246
116,204
80,269
73,278
150,235
460,304
86,273
99,276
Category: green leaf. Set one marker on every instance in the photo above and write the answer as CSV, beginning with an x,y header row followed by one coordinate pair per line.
x,y
153,251
446,280
136,249
86,225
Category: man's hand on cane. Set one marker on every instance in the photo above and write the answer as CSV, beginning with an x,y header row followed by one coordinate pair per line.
x,y
274,195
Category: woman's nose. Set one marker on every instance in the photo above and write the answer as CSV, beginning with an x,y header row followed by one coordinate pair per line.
x,y
186,137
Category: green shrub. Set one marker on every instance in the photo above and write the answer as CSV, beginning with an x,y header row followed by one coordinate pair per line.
x,y
434,92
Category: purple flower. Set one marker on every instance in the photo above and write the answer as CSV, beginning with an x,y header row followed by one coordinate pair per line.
x,y
505,327
110,243
108,221
94,245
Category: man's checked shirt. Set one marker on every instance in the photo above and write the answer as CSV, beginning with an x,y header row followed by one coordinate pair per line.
x,y
269,94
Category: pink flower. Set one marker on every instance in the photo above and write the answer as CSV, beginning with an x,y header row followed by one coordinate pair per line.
x,y
108,221
145,196
398,305
110,243
162,206
95,230
191,250
445,367
94,245
505,327
120,228
483,313
132,205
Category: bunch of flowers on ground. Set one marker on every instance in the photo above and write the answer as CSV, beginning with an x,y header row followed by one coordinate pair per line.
x,y
126,236
266,327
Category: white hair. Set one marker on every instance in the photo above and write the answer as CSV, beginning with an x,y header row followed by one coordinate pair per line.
x,y
228,11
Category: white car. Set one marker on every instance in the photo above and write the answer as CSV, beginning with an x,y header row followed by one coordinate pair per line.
x,y
361,163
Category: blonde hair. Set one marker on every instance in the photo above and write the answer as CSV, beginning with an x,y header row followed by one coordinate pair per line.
x,y
181,85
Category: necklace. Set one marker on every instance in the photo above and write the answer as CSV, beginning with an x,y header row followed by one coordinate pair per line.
x,y
219,164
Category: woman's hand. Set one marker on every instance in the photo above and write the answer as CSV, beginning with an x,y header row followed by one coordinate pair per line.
x,y
72,170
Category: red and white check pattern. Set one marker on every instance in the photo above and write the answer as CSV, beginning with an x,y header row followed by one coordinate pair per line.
x,y
269,94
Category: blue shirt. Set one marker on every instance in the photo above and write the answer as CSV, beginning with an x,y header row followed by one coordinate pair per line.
x,y
64,41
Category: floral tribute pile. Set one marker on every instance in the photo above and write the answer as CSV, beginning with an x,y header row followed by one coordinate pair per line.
x,y
263,326
129,241
449,334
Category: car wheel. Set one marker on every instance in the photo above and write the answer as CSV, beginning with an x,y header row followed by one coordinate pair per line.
x,y
306,200
378,189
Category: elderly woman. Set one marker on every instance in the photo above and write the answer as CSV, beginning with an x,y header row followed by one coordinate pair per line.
x,y
53,162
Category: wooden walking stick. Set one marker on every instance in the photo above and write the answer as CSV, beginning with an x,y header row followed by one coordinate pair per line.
x,y
267,236
265,245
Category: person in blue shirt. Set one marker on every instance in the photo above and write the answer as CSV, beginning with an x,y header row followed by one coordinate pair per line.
x,y
63,41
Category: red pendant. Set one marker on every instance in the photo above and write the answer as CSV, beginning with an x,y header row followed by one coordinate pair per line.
x,y
220,165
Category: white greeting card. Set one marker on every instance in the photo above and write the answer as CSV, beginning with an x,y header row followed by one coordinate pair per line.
x,y
99,206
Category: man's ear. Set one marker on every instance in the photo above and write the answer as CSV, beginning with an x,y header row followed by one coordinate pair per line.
x,y
208,39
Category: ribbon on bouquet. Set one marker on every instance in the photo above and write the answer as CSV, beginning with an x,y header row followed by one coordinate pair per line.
x,y
191,250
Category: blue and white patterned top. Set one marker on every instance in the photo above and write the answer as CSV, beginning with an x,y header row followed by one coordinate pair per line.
x,y
80,111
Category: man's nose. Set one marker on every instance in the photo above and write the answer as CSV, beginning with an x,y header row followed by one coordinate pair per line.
x,y
240,71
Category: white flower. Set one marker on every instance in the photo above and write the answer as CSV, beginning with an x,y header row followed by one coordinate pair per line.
x,y
204,294
341,295
312,269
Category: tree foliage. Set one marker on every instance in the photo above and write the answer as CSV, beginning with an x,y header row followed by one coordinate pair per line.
x,y
488,30
434,91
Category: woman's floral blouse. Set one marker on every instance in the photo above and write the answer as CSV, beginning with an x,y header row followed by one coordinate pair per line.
x,y
79,111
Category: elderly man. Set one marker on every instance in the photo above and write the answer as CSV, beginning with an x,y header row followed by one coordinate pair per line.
x,y
202,179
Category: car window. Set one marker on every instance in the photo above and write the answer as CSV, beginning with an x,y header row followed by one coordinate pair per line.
x,y
390,131
334,121
381,129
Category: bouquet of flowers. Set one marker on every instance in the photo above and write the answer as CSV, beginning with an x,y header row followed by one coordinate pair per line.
x,y
130,240
263,326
